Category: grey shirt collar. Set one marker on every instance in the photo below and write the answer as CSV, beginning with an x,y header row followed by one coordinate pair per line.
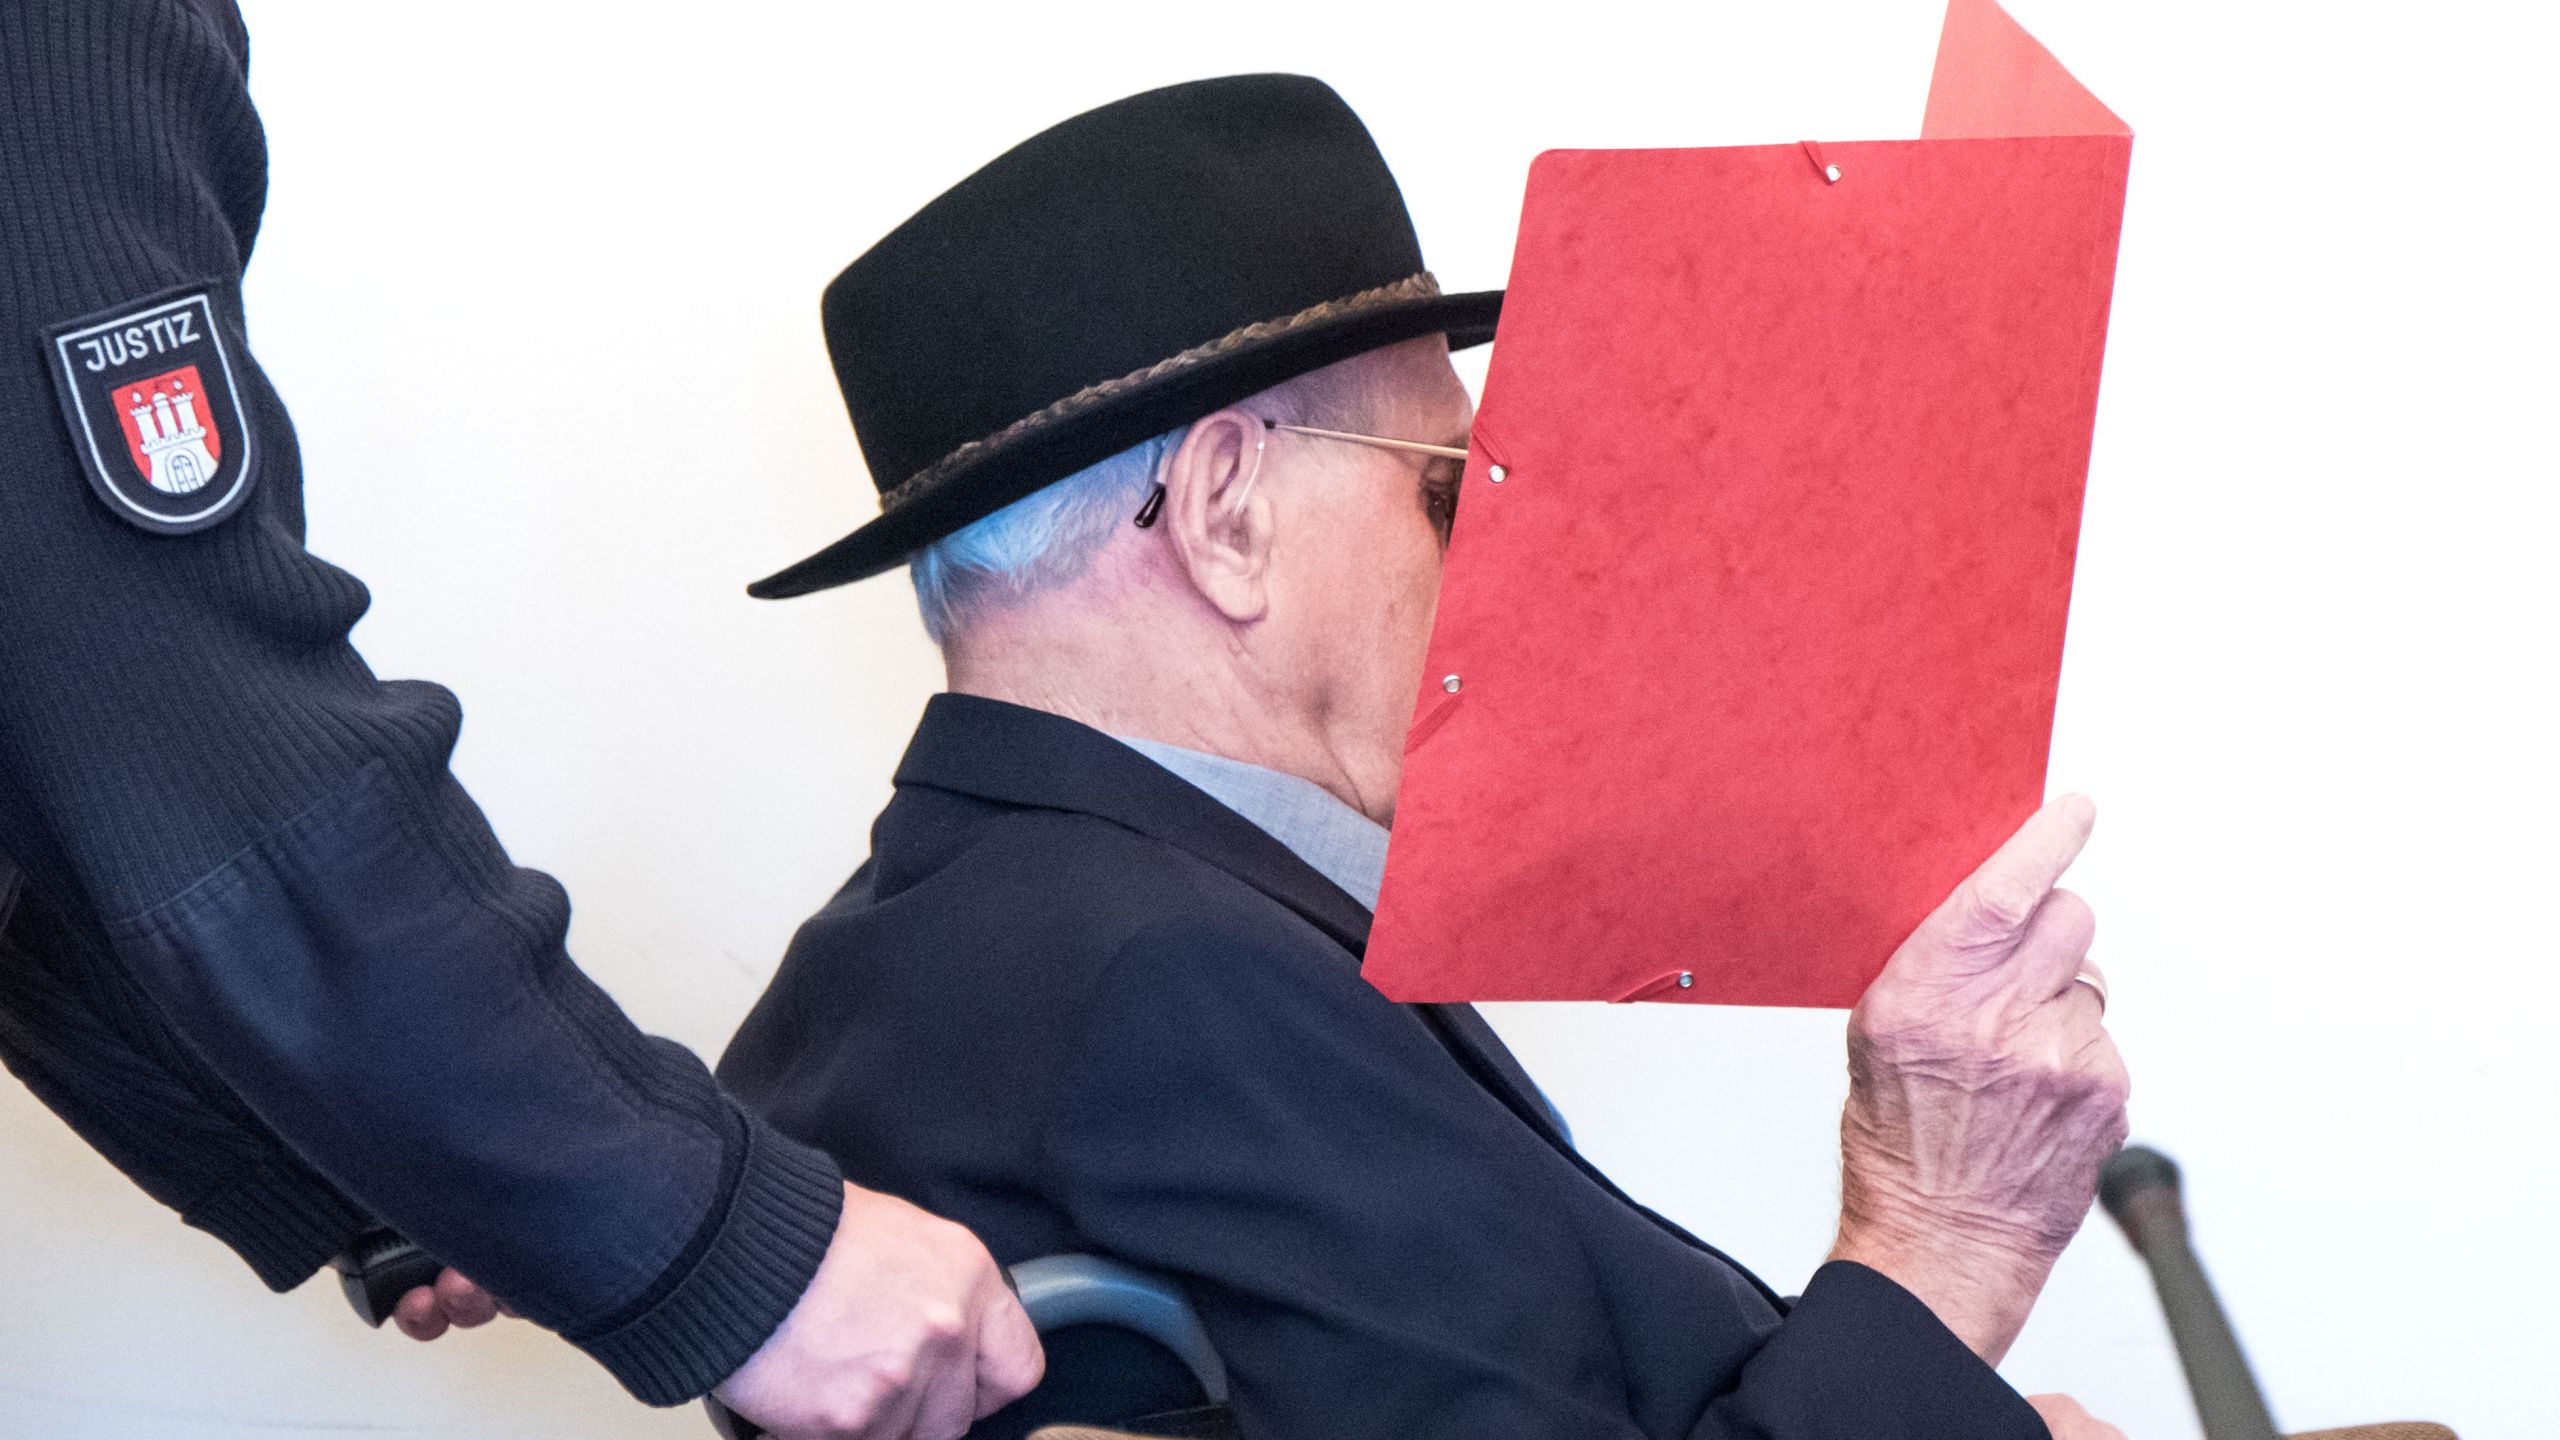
x,y
1338,842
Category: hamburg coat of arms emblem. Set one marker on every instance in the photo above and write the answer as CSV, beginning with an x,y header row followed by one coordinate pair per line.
x,y
151,391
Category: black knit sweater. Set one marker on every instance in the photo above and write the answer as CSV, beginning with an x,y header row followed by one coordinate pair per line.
x,y
256,945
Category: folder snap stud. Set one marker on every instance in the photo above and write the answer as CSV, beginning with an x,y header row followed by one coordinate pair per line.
x,y
1496,473
1668,980
1450,684
1831,173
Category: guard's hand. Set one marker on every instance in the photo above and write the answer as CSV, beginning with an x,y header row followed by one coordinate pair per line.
x,y
908,1332
2064,1417
424,1313
1984,1092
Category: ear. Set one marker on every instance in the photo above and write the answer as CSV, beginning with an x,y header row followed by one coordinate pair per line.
x,y
1216,518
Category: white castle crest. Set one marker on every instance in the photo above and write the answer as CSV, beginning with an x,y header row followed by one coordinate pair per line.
x,y
173,449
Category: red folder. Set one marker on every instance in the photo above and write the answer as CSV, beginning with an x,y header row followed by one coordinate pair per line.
x,y
1748,639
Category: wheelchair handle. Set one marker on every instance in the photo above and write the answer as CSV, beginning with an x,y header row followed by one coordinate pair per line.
x,y
378,1268
1062,1290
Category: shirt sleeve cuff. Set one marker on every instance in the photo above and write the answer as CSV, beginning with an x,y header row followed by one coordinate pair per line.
x,y
779,1220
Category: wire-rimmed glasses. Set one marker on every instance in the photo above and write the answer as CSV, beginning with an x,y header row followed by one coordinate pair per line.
x,y
1155,498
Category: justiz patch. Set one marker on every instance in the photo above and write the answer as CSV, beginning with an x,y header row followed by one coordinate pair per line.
x,y
152,396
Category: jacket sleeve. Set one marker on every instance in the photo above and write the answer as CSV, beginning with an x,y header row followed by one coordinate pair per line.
x,y
269,838
1380,1249
84,1039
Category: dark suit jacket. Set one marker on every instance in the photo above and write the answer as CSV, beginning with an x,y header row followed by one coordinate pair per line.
x,y
1077,1005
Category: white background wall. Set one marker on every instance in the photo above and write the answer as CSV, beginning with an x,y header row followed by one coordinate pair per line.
x,y
540,281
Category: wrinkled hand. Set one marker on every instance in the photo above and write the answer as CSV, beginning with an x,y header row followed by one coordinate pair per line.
x,y
2064,1417
908,1332
454,1300
1984,1092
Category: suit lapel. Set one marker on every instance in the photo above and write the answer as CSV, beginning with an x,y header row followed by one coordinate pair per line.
x,y
1021,756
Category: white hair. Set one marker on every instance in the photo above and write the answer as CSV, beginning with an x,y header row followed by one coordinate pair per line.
x,y
1048,537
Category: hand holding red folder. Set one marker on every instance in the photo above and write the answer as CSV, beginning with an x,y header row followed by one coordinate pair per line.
x,y
1748,641
1984,1091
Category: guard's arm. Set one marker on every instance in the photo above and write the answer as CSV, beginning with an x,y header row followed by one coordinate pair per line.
x,y
267,836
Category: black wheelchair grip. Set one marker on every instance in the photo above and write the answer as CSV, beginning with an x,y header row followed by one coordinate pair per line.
x,y
379,1268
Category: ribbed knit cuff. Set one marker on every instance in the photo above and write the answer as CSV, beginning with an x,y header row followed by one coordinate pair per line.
x,y
284,1220
776,1229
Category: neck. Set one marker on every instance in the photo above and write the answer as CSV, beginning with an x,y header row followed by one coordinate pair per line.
x,y
1191,684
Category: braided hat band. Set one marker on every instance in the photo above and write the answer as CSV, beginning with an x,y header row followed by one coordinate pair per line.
x,y
1420,286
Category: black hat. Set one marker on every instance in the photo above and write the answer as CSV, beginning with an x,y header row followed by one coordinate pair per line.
x,y
1109,279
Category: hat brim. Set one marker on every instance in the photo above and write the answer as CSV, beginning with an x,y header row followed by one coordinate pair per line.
x,y
1052,452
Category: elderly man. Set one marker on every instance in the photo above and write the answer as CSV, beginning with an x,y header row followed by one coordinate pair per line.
x,y
1161,407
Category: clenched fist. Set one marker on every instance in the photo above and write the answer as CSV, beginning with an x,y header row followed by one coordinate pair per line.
x,y
1984,1092
908,1332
